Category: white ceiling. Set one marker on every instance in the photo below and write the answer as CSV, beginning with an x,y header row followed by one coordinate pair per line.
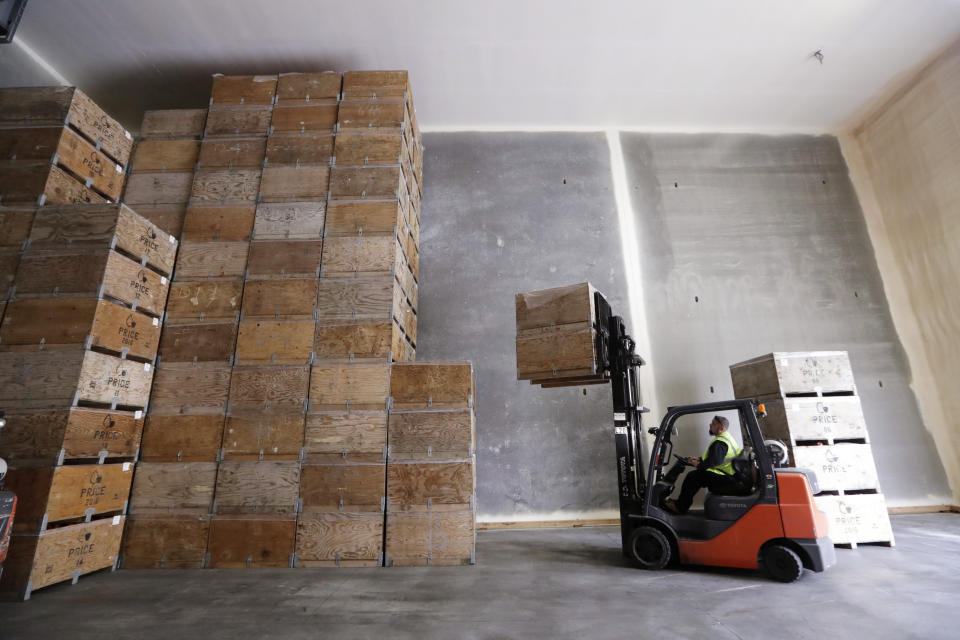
x,y
742,65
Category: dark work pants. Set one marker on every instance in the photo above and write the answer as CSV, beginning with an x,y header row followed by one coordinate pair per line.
x,y
696,480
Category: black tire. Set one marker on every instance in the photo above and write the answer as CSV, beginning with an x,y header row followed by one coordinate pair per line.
x,y
782,563
650,548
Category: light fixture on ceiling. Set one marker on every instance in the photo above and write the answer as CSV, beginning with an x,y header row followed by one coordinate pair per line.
x,y
10,13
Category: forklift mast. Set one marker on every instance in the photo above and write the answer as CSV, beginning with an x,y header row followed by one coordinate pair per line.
x,y
616,358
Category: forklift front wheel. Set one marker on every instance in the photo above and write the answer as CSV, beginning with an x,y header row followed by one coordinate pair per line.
x,y
782,563
650,548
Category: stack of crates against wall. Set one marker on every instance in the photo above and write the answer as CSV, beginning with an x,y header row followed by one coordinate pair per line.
x,y
162,166
431,476
15,223
77,348
58,147
812,407
373,219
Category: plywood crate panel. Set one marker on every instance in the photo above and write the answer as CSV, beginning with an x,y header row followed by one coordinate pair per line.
x,y
362,147
225,186
432,385
55,323
263,435
432,435
364,217
430,538
368,298
281,259
262,487
65,106
363,255
342,486
44,185
364,113
252,541
61,146
375,182
814,419
206,342
245,90
278,388
218,223
856,518
296,88
239,121
295,183
360,342
289,221
198,260
9,261
182,438
97,273
152,188
204,301
839,467
292,148
232,153
275,342
173,123
313,116
58,555
38,438
806,372
15,223
349,387
165,542
342,539
152,156
62,378
173,488
208,382
355,436
279,299
439,485
167,217
46,495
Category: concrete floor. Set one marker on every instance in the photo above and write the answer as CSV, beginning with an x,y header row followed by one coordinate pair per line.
x,y
559,583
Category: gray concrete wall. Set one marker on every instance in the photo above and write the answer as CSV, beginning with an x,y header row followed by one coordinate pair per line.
x,y
748,244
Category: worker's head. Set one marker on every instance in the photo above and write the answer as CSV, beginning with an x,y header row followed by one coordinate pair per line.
x,y
718,425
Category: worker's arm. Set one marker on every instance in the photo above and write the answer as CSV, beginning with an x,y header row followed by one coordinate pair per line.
x,y
715,456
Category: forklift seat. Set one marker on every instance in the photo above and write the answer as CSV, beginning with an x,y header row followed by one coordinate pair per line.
x,y
720,507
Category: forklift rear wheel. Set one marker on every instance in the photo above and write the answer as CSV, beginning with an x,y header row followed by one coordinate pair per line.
x,y
650,548
782,563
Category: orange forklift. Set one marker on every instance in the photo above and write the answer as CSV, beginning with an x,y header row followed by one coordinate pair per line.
x,y
771,523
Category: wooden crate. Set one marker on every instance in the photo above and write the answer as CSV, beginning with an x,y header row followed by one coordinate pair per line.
x,y
275,342
857,518
58,555
374,182
432,385
232,153
430,538
208,382
203,342
301,183
173,123
48,438
55,323
555,333
9,262
263,435
165,542
432,435
317,116
365,217
204,301
260,487
413,485
66,377
67,149
276,388
364,147
173,488
15,223
225,186
238,121
340,539
158,188
289,221
353,299
337,387
283,259
167,217
342,487
814,419
355,436
231,223
199,260
279,299
91,273
113,226
42,185
182,438
807,373
295,88
245,90
65,106
379,113
47,495
176,155
839,467
363,256
293,148
238,542
360,342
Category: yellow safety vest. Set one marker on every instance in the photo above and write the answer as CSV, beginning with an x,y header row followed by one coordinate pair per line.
x,y
726,467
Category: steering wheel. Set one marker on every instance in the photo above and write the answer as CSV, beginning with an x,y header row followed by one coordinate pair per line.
x,y
683,460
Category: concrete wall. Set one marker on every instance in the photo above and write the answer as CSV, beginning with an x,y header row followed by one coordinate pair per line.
x,y
19,69
904,157
748,244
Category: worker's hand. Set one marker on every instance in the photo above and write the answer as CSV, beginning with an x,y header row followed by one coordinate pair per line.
x,y
693,462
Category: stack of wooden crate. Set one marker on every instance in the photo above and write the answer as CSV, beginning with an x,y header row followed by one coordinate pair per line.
x,y
77,347
162,166
58,147
813,408
556,336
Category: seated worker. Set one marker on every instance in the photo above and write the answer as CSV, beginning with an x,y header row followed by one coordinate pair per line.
x,y
714,469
